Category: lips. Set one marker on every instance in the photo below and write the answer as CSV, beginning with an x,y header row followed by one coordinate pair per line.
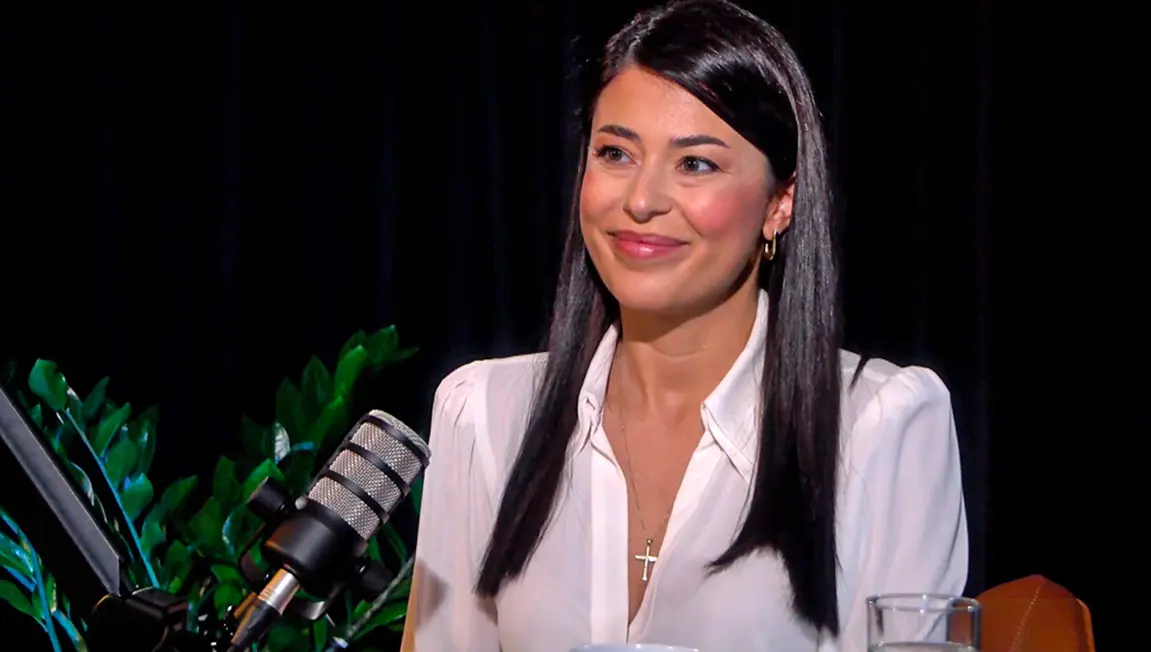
x,y
649,239
647,247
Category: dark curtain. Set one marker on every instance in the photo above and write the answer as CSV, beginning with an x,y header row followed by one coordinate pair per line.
x,y
195,202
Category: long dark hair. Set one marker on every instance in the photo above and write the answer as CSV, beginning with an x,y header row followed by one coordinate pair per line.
x,y
744,71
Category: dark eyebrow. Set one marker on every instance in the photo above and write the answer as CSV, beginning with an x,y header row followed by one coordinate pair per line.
x,y
680,142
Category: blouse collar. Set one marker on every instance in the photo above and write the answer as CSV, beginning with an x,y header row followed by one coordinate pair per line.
x,y
730,414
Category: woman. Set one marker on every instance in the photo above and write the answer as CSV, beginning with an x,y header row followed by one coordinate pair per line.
x,y
693,461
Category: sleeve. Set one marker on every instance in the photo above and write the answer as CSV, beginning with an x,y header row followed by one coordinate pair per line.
x,y
903,520
455,521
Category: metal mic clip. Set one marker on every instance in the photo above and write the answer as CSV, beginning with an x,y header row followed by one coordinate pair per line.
x,y
270,503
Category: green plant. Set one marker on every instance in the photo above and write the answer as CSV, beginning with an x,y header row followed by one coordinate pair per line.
x,y
190,542
32,589
108,455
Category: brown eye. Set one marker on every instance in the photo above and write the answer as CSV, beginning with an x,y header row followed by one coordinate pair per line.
x,y
611,154
697,165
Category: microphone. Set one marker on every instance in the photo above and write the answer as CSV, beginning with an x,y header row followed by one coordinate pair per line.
x,y
321,542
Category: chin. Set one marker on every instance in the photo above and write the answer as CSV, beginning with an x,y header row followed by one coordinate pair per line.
x,y
651,298
672,298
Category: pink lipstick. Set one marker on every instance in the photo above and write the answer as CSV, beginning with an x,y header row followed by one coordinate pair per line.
x,y
645,246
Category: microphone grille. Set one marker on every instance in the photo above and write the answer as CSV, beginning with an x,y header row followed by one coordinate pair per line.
x,y
395,457
385,436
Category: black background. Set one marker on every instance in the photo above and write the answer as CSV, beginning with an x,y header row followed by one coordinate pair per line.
x,y
196,200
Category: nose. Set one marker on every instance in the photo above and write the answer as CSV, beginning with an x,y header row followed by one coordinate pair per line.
x,y
647,198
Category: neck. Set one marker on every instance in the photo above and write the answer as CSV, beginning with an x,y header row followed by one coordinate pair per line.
x,y
667,366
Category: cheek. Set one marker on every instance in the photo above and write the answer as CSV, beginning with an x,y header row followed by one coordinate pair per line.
x,y
598,195
735,212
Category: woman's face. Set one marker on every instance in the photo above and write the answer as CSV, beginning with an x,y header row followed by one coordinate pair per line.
x,y
674,204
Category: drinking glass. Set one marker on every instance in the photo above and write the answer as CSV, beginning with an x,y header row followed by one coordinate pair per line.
x,y
922,622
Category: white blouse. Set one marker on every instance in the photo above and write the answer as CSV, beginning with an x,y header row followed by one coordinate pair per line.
x,y
902,522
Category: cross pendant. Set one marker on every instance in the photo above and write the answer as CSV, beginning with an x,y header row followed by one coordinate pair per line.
x,y
647,560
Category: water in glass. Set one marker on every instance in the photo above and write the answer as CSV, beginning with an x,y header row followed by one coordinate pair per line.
x,y
918,622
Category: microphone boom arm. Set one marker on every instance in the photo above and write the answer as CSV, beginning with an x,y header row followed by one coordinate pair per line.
x,y
76,548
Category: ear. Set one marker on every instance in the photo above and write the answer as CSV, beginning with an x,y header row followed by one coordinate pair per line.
x,y
778,216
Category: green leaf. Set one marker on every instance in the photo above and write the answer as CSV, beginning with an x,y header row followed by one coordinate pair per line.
x,y
12,594
85,484
254,437
75,411
227,594
63,620
299,467
64,432
151,414
13,557
417,493
152,532
402,590
266,469
36,414
121,461
316,387
178,564
257,554
51,596
207,525
290,409
198,595
144,433
357,338
239,526
94,401
226,573
176,493
333,421
108,428
390,614
397,625
48,384
382,345
287,637
394,541
348,371
138,492
225,486
319,635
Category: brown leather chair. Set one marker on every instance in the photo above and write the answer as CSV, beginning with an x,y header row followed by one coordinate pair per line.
x,y
1034,614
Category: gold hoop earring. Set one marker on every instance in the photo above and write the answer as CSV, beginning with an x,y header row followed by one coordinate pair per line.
x,y
769,246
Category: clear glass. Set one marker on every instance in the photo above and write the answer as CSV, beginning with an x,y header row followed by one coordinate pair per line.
x,y
922,622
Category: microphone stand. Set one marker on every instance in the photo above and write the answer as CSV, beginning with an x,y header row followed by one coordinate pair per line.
x,y
78,550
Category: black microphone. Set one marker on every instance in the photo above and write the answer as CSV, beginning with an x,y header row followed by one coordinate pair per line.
x,y
322,540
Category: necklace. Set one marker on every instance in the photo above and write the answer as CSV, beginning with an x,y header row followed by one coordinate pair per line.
x,y
647,559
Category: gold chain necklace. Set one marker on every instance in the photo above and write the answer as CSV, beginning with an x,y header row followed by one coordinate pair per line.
x,y
647,559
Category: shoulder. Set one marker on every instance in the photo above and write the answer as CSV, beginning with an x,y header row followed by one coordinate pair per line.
x,y
881,383
484,406
888,403
512,377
